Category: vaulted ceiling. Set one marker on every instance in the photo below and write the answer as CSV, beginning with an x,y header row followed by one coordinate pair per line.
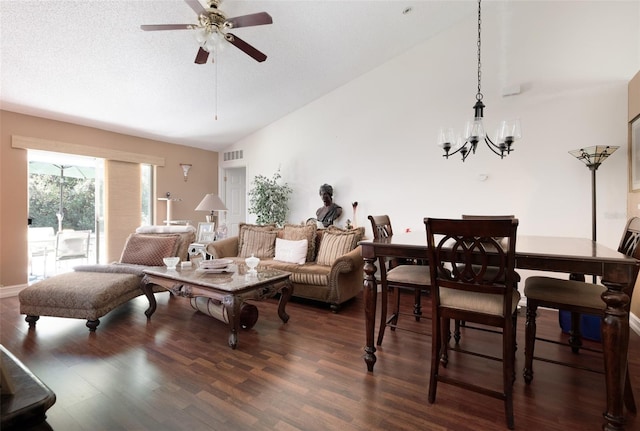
x,y
89,63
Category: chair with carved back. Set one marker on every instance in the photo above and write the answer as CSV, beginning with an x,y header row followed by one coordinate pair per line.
x,y
578,297
472,277
397,274
458,324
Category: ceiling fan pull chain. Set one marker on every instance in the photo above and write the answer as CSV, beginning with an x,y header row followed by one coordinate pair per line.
x,y
216,89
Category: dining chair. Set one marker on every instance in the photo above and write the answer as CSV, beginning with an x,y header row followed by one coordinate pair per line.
x,y
462,324
397,274
472,278
72,244
578,297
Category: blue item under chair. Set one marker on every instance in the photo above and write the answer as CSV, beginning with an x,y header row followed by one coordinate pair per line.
x,y
589,325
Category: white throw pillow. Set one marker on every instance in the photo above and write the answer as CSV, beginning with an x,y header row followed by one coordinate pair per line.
x,y
291,251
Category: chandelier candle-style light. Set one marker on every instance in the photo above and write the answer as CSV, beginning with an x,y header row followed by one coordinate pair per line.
x,y
474,132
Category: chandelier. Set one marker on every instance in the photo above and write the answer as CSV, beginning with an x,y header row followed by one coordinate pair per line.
x,y
508,131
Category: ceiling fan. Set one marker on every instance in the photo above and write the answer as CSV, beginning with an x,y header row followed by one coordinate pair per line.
x,y
213,26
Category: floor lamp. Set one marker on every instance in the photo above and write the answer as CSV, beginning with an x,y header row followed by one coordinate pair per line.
x,y
593,158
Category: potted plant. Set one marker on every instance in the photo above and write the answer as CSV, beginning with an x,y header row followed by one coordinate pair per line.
x,y
268,199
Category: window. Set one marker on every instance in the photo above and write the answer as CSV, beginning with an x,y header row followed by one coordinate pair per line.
x,y
146,181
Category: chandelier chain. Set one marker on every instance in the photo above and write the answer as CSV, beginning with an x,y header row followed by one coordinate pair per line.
x,y
474,133
479,95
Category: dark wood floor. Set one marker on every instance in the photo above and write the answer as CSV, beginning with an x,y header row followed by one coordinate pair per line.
x,y
176,372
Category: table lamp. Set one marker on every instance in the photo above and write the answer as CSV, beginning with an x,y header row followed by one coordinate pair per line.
x,y
211,203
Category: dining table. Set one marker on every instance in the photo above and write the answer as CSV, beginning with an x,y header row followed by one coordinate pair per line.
x,y
568,255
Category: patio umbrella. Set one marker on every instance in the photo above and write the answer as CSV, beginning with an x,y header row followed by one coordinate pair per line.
x,y
61,170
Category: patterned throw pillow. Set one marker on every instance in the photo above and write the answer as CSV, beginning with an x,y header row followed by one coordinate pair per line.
x,y
296,232
291,251
244,227
357,233
336,244
259,243
148,250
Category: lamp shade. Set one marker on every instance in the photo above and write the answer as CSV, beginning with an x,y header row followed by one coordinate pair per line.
x,y
593,156
211,202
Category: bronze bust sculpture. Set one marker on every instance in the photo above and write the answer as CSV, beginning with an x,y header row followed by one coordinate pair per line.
x,y
329,212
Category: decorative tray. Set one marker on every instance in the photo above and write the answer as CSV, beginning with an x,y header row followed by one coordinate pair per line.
x,y
214,270
215,264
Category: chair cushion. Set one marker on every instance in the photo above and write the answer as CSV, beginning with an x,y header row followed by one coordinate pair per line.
x,y
259,243
308,273
413,274
311,274
561,291
141,249
485,303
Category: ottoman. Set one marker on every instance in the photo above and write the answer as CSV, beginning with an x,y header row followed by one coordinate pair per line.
x,y
79,295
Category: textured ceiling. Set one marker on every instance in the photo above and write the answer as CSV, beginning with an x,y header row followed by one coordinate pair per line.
x,y
88,62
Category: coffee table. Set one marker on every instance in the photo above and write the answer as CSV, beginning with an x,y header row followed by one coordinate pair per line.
x,y
230,289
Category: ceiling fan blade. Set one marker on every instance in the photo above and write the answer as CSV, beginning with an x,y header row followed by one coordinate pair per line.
x,y
196,6
244,46
201,56
260,18
157,27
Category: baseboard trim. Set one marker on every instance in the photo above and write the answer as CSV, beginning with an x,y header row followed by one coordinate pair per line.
x,y
9,291
634,323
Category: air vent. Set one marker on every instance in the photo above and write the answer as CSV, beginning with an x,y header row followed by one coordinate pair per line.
x,y
233,155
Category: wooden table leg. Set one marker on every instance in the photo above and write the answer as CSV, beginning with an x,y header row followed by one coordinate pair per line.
x,y
615,344
285,295
233,306
370,298
147,288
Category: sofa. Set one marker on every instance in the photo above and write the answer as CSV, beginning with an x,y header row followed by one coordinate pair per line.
x,y
91,291
325,264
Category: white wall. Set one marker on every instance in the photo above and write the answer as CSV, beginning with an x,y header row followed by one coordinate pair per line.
x,y
374,138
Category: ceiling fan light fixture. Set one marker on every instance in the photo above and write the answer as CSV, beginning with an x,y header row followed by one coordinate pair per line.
x,y
212,27
201,35
211,44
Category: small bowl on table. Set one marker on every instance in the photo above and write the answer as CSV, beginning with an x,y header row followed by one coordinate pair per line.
x,y
171,262
252,262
